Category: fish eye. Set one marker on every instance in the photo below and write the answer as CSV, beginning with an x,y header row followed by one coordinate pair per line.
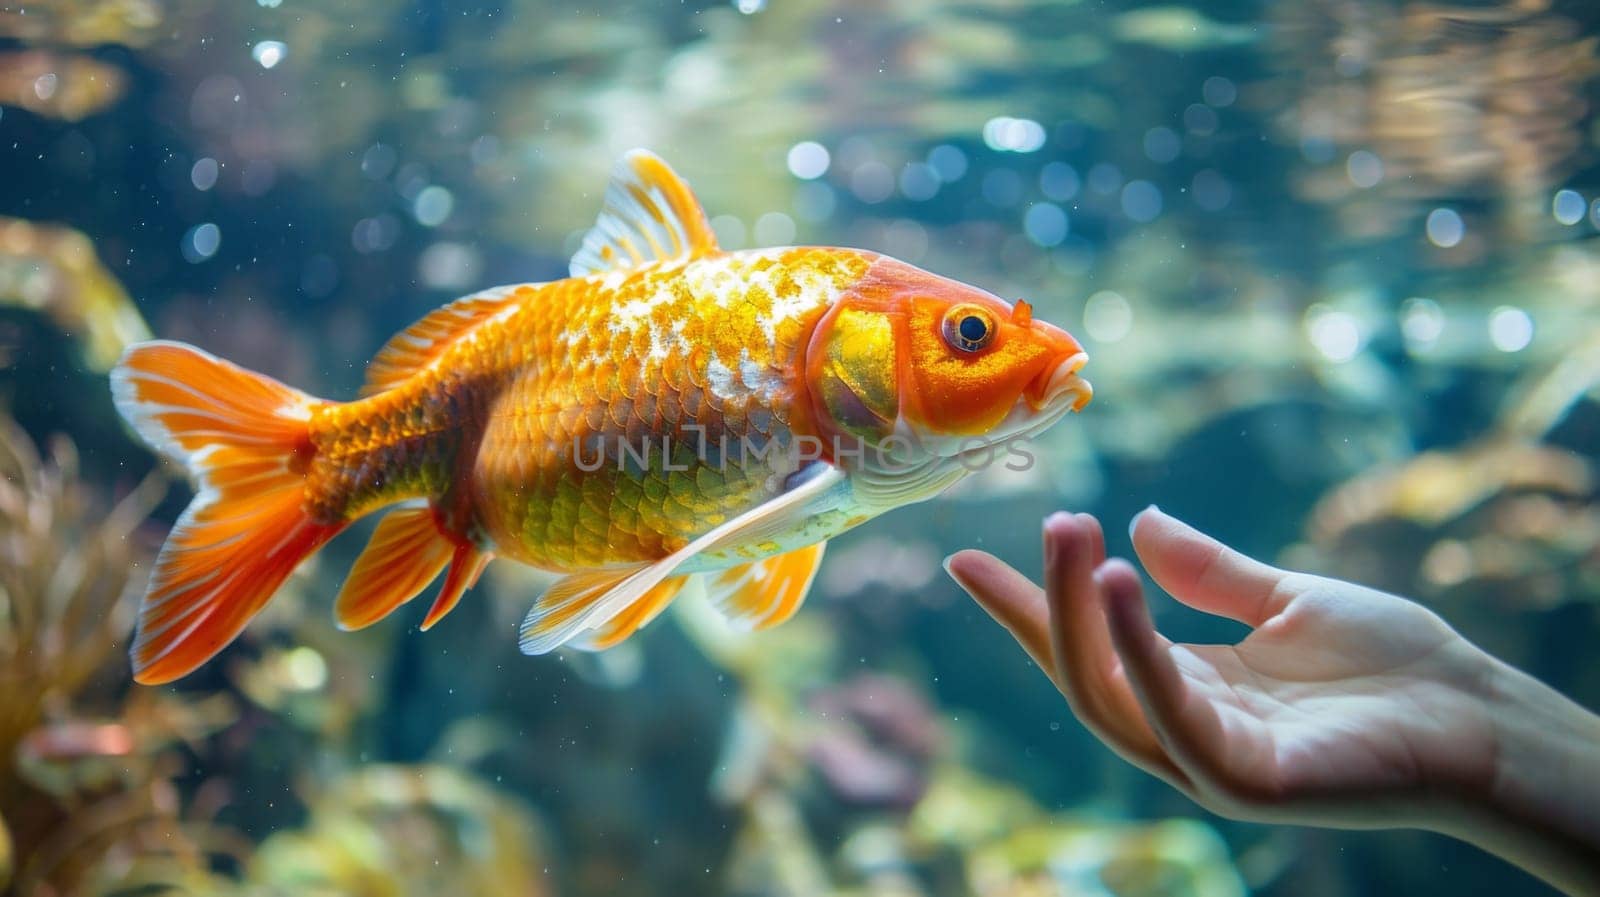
x,y
968,328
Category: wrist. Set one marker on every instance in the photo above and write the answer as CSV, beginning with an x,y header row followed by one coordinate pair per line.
x,y
1540,806
1547,750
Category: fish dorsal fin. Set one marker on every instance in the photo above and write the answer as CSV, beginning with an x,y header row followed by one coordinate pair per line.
x,y
417,346
764,593
590,599
649,215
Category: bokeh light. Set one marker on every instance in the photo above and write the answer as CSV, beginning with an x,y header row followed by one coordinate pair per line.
x,y
1141,201
269,53
433,205
1568,207
203,174
201,242
1510,329
1059,181
1016,135
1045,224
1219,92
1445,228
808,160
1364,169
1335,334
1421,322
1107,317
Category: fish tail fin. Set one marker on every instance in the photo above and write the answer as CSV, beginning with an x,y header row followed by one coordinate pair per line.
x,y
246,439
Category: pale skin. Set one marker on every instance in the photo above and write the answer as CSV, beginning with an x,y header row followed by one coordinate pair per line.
x,y
1345,707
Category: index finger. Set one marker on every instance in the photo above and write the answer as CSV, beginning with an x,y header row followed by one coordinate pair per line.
x,y
1009,598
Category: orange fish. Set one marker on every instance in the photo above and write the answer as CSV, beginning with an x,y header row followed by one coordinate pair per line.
x,y
669,416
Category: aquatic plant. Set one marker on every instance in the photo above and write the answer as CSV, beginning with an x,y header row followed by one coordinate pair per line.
x,y
65,581
407,831
65,86
86,768
1401,104
1511,517
49,76
54,271
858,785
84,23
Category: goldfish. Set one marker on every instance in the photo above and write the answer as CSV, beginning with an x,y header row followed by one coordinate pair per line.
x,y
670,417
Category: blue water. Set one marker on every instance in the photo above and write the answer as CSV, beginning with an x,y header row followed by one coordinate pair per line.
x,y
1304,244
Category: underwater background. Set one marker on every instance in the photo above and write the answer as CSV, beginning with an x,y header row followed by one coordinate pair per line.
x,y
1335,263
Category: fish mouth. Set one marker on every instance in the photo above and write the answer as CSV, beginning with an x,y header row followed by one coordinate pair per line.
x,y
1061,382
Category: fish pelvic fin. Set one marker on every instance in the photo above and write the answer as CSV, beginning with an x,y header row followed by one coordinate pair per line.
x,y
245,439
764,593
567,607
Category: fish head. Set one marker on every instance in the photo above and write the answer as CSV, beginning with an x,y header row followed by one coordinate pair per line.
x,y
938,367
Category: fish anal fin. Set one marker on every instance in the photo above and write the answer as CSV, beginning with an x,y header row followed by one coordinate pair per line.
x,y
466,565
764,593
406,552
419,345
649,215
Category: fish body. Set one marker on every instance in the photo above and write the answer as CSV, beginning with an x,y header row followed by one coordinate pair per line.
x,y
670,416
597,420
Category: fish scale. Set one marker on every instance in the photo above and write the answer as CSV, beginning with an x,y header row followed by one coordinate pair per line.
x,y
538,414
529,482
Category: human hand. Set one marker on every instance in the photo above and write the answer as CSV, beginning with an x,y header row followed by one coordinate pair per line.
x,y
1344,707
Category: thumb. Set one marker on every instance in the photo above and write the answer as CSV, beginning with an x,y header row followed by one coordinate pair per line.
x,y
1204,573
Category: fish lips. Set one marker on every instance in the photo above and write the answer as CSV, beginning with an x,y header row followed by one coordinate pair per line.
x,y
1060,383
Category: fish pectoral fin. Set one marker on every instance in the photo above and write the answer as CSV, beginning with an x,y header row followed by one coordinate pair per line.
x,y
591,599
567,608
649,215
616,630
764,593
406,552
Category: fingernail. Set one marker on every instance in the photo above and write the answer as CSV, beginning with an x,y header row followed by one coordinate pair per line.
x,y
1133,522
946,565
